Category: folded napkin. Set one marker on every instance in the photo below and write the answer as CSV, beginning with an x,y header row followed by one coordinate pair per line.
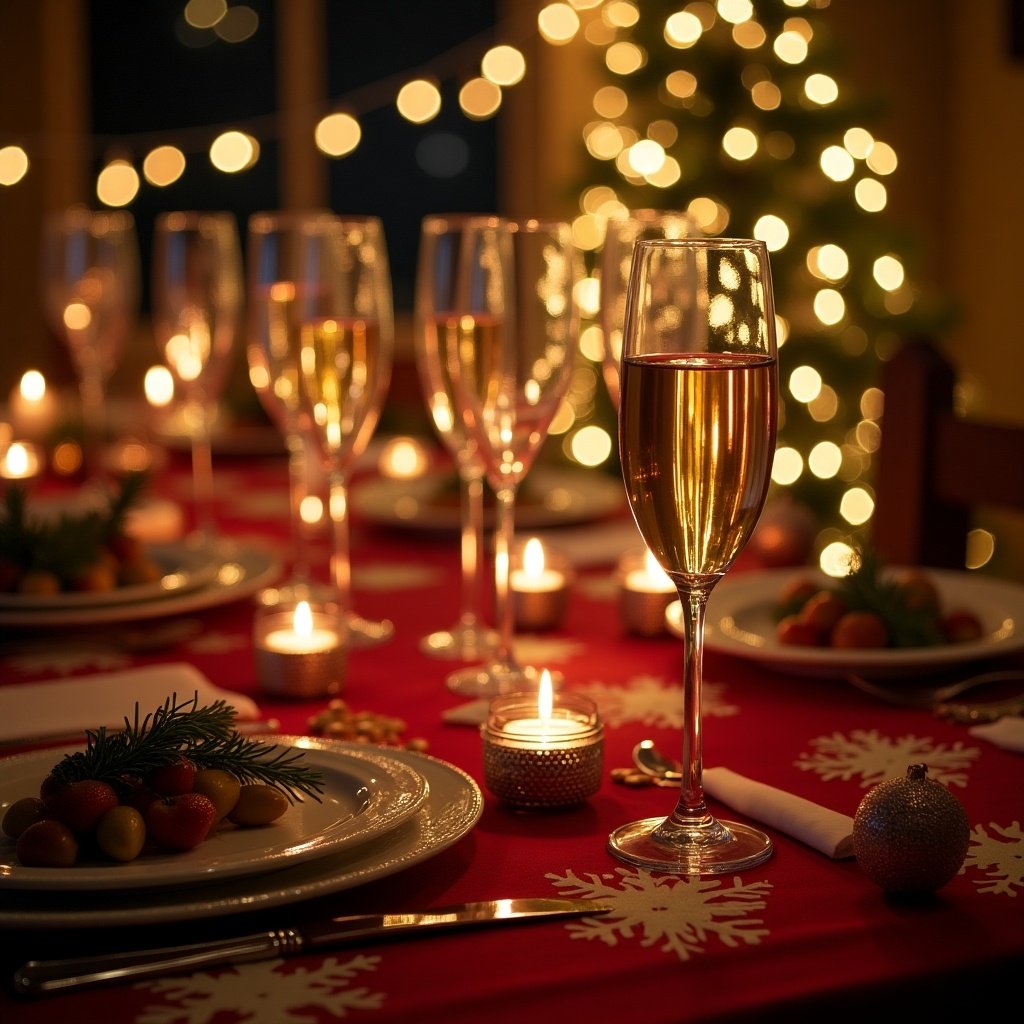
x,y
827,831
1006,732
70,706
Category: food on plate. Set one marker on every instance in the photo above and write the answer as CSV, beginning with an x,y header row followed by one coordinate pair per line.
x,y
870,609
83,551
164,783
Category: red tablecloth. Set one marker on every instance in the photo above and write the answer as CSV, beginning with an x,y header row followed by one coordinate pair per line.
x,y
801,933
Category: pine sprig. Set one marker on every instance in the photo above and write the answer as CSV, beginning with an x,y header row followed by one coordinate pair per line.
x,y
205,735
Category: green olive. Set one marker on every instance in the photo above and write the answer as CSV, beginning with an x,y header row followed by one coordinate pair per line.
x,y
220,786
21,814
258,805
121,833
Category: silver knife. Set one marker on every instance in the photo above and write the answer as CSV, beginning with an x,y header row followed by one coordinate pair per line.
x,y
42,977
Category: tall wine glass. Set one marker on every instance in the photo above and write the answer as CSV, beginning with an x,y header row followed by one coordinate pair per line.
x,y
697,429
345,356
90,277
438,317
289,256
197,306
510,363
621,234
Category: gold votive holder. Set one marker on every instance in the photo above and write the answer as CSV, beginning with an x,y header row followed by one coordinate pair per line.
x,y
300,648
540,580
543,762
645,592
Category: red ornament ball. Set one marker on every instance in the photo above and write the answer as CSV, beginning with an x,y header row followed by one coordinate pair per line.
x,y
910,835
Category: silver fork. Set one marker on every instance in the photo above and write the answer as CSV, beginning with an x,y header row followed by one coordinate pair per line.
x,y
908,695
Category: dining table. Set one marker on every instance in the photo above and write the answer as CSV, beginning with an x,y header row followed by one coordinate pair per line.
x,y
807,934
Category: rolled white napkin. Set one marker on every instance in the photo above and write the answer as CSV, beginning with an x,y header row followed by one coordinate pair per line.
x,y
1006,732
827,831
70,706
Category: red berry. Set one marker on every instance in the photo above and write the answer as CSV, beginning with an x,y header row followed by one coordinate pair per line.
x,y
81,804
960,627
173,779
180,822
823,611
859,629
47,844
794,632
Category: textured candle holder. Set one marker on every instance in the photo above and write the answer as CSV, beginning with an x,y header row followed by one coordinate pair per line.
x,y
540,604
641,609
297,673
537,771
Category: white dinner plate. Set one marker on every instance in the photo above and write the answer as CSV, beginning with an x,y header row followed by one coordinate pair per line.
x,y
238,571
547,497
740,621
183,567
453,807
363,798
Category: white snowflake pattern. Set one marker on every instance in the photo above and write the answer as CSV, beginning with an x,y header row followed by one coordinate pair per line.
x,y
677,914
532,649
875,757
263,994
653,702
1002,854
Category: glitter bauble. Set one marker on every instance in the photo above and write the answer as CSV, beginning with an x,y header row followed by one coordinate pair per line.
x,y
784,534
910,834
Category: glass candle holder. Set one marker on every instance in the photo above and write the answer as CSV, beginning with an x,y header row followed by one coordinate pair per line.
x,y
539,583
645,592
542,761
300,648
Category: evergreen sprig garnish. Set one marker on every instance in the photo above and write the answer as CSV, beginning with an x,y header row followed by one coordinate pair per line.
x,y
205,735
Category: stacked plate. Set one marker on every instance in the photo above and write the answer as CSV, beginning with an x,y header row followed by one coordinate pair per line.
x,y
381,811
191,578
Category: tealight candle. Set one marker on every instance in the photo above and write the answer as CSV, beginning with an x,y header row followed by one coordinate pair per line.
x,y
540,593
300,652
644,594
21,461
543,752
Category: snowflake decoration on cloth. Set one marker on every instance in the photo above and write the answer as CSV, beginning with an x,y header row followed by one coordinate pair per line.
x,y
263,994
874,758
539,650
384,576
653,702
1002,854
678,915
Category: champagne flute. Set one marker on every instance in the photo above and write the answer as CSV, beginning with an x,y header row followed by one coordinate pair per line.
x,y
437,326
197,304
345,356
621,234
289,252
90,271
510,361
697,427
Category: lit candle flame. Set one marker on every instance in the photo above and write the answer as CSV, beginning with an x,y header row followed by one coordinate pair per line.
x,y
533,558
654,570
545,697
302,620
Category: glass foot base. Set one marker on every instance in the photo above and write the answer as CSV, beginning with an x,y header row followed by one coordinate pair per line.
x,y
460,643
722,847
363,633
496,679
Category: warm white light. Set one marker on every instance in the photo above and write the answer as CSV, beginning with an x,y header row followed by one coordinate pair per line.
x,y
821,89
545,696
234,151
591,445
533,558
503,65
158,385
829,306
682,29
870,194
856,506
888,272
787,465
836,559
646,157
403,458
805,383
772,230
13,164
337,134
837,163
117,184
419,101
790,47
163,166
32,386
740,143
825,459
558,23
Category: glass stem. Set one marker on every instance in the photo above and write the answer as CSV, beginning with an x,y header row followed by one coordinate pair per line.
x,y
296,445
690,808
503,536
472,487
90,390
202,472
341,564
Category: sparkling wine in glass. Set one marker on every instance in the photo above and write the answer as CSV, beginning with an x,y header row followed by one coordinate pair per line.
x,y
197,307
288,283
510,362
90,278
697,427
345,356
438,331
621,234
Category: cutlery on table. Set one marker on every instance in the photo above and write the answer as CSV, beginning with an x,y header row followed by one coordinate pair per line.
x,y
940,699
43,977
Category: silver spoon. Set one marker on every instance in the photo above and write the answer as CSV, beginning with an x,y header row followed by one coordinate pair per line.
x,y
651,761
